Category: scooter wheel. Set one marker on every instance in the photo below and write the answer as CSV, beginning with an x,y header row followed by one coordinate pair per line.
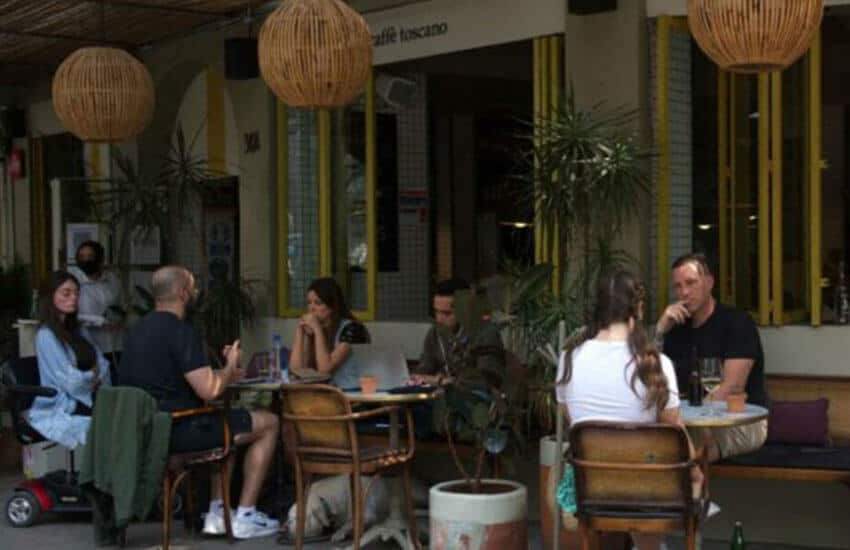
x,y
22,509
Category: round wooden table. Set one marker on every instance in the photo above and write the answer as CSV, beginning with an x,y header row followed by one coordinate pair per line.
x,y
716,415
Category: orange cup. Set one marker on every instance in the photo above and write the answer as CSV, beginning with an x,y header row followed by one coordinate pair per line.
x,y
368,384
736,402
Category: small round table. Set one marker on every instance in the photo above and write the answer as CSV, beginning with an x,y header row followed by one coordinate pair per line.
x,y
395,526
716,415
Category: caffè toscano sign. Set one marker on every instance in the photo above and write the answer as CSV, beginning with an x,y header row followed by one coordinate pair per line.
x,y
393,34
435,27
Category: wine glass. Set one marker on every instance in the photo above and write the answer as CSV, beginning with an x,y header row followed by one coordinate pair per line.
x,y
711,374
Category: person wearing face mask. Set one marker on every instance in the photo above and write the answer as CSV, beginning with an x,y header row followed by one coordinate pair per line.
x,y
99,289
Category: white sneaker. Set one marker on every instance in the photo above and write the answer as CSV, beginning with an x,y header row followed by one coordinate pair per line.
x,y
214,523
256,524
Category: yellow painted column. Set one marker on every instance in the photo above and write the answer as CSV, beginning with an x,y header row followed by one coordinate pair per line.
x,y
662,142
815,164
371,200
764,170
215,121
324,177
776,255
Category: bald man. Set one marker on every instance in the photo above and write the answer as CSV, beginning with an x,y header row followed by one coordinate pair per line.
x,y
164,355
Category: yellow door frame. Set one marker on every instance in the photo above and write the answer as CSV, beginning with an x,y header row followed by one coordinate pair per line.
x,y
324,175
548,83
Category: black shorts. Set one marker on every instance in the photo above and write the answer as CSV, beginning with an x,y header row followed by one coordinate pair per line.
x,y
199,433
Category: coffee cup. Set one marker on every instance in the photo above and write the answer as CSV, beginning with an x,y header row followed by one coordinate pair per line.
x,y
736,402
368,384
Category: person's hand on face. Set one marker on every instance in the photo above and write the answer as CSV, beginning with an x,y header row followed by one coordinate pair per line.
x,y
311,321
674,314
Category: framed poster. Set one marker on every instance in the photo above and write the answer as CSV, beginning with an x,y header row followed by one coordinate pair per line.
x,y
145,246
75,235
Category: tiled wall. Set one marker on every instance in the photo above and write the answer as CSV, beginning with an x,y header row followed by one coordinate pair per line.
x,y
680,135
303,216
403,294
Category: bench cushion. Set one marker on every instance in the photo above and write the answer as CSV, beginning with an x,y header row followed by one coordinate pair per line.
x,y
799,422
795,456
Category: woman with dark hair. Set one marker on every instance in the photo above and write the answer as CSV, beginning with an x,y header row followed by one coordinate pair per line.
x,y
68,361
325,333
610,371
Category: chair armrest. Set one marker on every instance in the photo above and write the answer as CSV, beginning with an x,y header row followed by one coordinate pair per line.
x,y
40,391
342,417
186,413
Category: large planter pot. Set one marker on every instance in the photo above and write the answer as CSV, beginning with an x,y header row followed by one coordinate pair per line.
x,y
495,519
548,484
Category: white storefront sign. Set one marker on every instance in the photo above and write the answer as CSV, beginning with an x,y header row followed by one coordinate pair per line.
x,y
441,26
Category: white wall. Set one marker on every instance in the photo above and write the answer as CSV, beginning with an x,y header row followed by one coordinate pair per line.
x,y
679,7
822,351
406,336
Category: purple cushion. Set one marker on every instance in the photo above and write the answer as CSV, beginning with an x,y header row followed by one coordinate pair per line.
x,y
799,422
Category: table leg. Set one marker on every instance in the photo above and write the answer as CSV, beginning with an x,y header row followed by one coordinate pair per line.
x,y
394,527
279,462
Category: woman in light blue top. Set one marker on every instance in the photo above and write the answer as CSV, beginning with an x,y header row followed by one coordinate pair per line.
x,y
69,362
325,333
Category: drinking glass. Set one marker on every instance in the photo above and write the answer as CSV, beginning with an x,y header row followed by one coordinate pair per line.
x,y
711,373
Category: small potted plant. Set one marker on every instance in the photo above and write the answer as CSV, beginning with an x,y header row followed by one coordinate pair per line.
x,y
474,512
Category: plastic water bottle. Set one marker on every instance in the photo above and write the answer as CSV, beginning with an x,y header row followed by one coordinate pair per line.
x,y
275,364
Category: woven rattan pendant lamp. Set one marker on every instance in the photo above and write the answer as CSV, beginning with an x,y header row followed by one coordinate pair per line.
x,y
751,36
315,53
103,94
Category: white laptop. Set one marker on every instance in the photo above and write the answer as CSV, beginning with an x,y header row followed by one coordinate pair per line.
x,y
387,364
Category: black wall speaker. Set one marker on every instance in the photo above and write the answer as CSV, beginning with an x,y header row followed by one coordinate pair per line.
x,y
240,59
14,122
587,7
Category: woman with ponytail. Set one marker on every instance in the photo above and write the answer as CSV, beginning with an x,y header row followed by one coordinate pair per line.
x,y
68,361
610,370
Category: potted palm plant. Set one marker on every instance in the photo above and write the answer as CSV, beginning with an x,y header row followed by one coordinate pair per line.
x,y
589,175
476,512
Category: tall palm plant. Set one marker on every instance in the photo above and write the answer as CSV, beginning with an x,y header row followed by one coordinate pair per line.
x,y
589,174
586,174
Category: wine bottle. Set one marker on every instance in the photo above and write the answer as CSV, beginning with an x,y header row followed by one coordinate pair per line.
x,y
738,542
695,381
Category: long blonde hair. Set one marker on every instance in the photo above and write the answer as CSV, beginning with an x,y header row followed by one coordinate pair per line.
x,y
619,297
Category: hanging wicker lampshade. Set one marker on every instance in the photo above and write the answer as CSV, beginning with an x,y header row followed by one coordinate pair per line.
x,y
750,36
103,94
315,53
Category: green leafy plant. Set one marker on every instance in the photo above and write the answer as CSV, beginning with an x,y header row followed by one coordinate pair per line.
x,y
477,407
585,175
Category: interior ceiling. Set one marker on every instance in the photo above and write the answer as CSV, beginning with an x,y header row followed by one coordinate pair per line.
x,y
36,35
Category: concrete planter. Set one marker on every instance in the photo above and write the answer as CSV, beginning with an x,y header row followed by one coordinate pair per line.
x,y
491,520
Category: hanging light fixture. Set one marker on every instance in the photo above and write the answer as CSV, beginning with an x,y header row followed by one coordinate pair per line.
x,y
315,53
751,36
103,94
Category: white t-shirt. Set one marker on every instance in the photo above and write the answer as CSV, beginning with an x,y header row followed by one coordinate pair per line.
x,y
600,386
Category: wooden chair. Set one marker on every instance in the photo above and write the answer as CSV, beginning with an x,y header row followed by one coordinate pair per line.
x,y
326,443
180,466
634,477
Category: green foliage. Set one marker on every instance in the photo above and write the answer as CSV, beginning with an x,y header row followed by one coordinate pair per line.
x,y
225,306
478,406
587,175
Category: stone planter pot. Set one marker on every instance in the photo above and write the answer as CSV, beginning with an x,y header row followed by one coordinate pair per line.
x,y
495,519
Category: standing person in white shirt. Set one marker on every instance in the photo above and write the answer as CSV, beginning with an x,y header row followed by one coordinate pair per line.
x,y
99,289
612,372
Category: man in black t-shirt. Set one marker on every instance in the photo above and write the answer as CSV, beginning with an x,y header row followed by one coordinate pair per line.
x,y
696,324
164,355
